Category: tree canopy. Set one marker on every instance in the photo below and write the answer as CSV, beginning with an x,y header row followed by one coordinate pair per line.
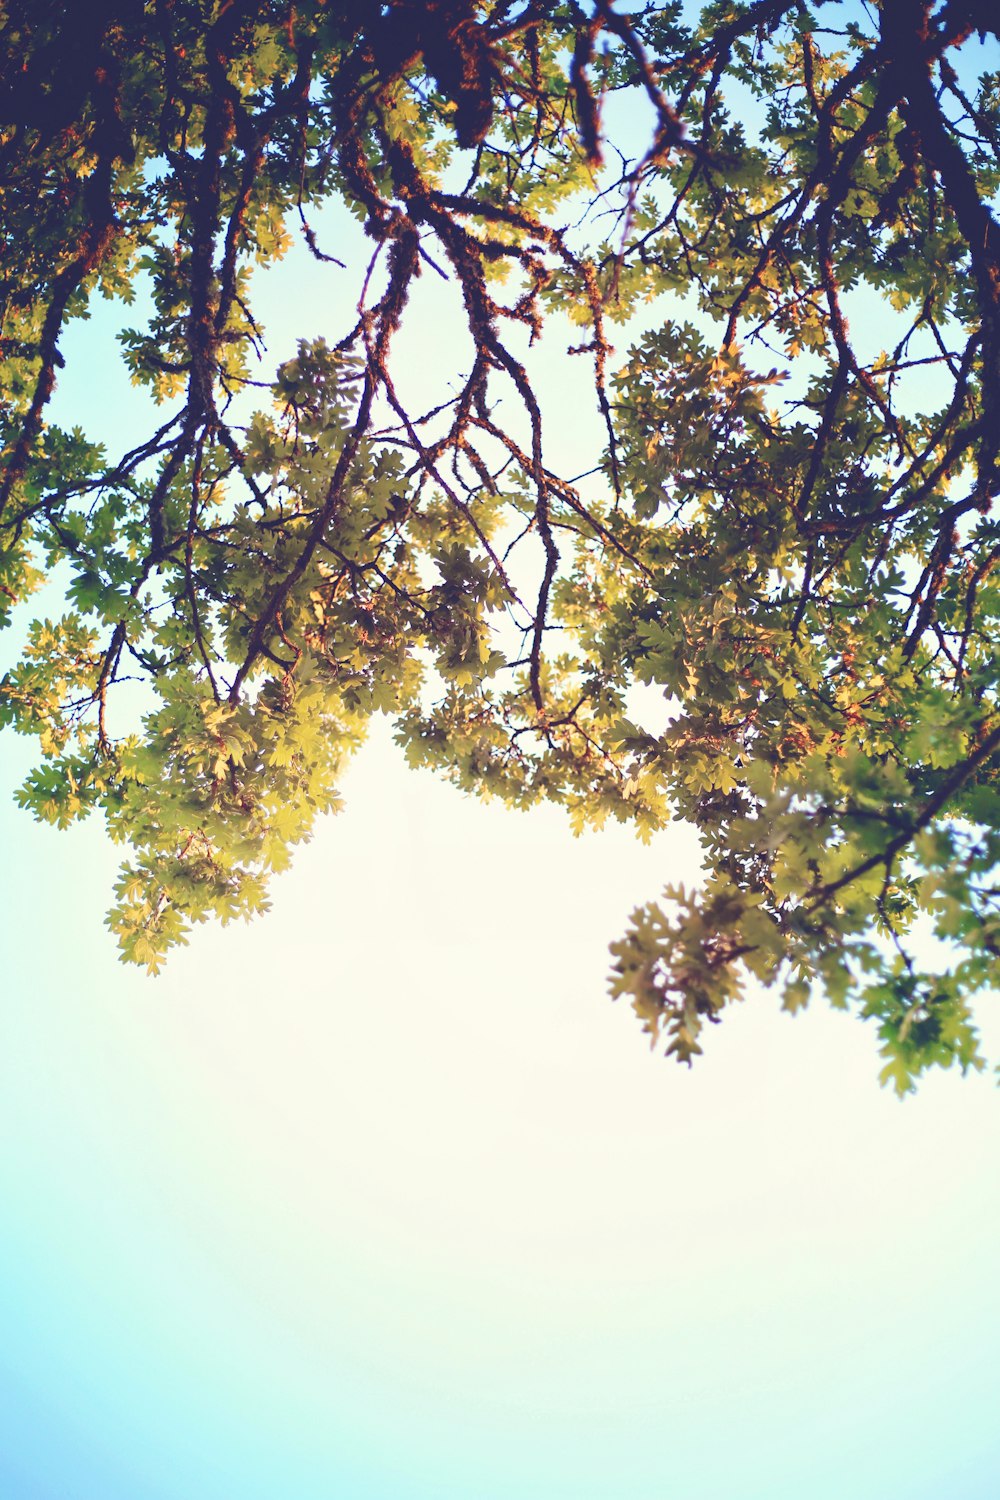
x,y
771,611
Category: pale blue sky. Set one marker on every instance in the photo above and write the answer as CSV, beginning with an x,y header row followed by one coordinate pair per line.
x,y
381,1197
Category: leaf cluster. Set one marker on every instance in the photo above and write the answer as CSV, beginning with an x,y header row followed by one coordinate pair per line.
x,y
790,547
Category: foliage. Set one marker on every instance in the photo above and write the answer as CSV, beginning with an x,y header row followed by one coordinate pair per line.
x,y
793,548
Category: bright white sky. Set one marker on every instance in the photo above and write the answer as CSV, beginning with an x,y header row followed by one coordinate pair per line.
x,y
382,1197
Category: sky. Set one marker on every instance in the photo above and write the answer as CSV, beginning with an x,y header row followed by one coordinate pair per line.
x,y
381,1197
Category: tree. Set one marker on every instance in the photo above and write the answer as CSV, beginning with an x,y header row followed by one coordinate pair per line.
x,y
791,541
